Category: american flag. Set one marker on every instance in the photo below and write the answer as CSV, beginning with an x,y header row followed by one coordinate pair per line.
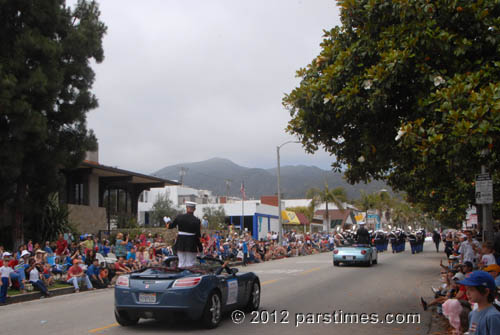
x,y
242,190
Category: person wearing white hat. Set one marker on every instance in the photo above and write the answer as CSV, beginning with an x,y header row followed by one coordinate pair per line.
x,y
167,220
19,274
188,243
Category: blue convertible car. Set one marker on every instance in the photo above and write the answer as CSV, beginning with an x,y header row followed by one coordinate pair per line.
x,y
355,254
203,293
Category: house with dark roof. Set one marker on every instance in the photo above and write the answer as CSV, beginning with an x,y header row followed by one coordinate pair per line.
x,y
98,195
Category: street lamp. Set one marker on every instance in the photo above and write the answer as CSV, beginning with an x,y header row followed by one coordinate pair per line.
x,y
280,220
380,192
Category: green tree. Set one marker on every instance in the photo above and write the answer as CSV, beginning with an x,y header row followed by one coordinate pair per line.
x,y
125,220
55,220
407,91
215,217
162,207
45,93
326,195
402,215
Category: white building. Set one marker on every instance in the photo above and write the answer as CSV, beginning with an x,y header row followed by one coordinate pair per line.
x,y
177,194
250,215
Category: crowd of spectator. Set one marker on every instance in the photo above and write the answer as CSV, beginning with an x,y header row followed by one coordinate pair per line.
x,y
74,261
96,263
236,246
469,294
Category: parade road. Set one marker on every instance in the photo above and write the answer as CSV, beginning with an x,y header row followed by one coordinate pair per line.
x,y
299,296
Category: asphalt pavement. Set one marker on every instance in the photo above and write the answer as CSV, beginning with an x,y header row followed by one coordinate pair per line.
x,y
301,295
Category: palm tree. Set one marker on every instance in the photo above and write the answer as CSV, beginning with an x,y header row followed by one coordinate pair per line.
x,y
383,202
403,214
337,195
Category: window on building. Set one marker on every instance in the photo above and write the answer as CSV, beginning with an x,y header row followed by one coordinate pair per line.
x,y
79,194
144,196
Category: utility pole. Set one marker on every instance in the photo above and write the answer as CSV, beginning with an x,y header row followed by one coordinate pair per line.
x,y
228,187
280,219
182,173
484,197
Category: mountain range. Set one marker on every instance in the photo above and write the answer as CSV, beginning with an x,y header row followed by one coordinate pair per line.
x,y
223,177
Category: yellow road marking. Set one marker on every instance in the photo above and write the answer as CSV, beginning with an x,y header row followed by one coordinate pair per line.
x,y
269,282
309,271
103,328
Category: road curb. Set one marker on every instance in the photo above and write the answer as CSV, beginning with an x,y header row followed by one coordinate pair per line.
x,y
438,324
37,295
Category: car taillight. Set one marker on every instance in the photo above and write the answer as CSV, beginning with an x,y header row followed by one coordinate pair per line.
x,y
122,281
363,252
336,251
187,282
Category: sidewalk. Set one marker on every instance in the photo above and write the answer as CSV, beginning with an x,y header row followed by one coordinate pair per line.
x,y
22,297
439,324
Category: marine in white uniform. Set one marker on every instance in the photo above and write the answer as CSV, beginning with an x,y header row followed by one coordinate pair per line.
x,y
188,242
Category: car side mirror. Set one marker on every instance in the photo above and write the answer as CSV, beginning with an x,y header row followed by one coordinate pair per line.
x,y
234,271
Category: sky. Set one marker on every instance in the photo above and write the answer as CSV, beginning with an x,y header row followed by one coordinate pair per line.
x,y
185,81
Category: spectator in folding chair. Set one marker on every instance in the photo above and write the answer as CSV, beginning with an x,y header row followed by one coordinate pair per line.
x,y
59,268
51,260
100,258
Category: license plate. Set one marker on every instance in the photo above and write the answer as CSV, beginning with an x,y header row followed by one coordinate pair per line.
x,y
350,258
147,298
